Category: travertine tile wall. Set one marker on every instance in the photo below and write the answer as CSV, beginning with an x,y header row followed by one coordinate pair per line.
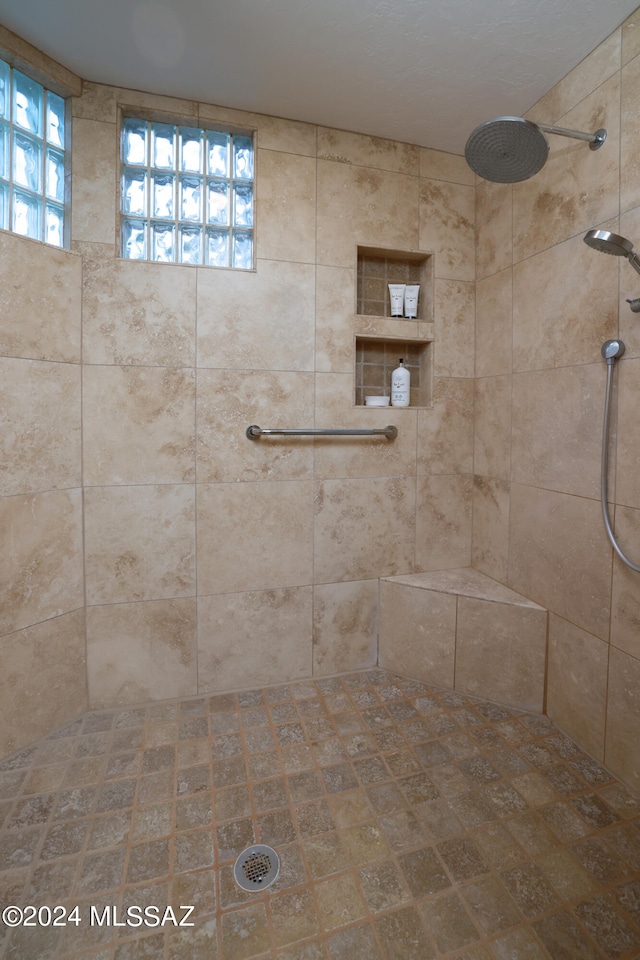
x,y
42,636
545,304
211,562
201,560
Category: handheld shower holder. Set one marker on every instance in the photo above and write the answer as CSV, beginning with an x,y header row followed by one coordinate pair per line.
x,y
612,350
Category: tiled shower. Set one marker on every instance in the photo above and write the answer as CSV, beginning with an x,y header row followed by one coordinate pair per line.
x,y
151,552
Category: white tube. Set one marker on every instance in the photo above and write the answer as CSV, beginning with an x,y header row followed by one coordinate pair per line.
x,y
396,292
411,300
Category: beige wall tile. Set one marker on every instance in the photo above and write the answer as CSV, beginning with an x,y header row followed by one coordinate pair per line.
x,y
351,457
43,324
363,528
362,205
492,440
556,428
268,399
622,747
627,488
40,440
443,522
631,37
157,101
625,594
557,550
436,165
629,286
139,425
445,433
365,151
577,684
490,548
629,160
254,536
138,313
43,683
41,573
285,207
141,651
345,626
501,652
587,76
417,633
392,328
95,178
578,187
494,321
454,343
553,315
94,251
447,226
494,228
257,321
335,307
274,133
97,102
101,102
139,542
247,639
559,556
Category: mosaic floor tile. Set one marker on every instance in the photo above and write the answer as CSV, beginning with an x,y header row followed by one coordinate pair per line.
x,y
411,822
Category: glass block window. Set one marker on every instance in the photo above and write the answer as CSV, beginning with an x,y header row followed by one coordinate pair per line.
x,y
186,195
32,158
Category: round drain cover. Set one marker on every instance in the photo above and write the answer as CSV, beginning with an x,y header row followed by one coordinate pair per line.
x,y
257,867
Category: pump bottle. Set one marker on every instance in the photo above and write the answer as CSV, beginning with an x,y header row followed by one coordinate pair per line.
x,y
400,384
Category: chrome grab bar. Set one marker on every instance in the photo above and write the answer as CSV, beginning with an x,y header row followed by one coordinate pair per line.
x,y
254,433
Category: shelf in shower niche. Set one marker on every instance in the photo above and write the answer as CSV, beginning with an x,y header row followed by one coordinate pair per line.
x,y
393,328
377,267
377,357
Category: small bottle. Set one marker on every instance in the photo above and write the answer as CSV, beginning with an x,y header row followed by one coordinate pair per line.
x,y
400,379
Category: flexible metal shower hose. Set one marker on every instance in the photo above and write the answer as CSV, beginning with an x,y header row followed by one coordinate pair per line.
x,y
605,471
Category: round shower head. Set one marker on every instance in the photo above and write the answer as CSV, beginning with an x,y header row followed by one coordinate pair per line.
x,y
507,150
607,242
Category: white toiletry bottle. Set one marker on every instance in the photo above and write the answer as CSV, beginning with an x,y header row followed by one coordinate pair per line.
x,y
400,379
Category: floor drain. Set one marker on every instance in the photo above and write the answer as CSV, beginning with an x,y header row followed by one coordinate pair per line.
x,y
257,867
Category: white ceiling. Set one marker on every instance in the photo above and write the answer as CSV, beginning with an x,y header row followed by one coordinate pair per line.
x,y
421,71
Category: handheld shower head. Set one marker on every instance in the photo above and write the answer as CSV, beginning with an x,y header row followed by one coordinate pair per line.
x,y
613,244
511,149
607,242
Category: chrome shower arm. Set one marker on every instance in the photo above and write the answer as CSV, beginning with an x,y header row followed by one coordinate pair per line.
x,y
595,139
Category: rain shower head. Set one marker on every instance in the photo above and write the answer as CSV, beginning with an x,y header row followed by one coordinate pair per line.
x,y
613,244
506,150
511,149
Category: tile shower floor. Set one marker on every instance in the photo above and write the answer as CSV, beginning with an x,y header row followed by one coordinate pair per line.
x,y
411,822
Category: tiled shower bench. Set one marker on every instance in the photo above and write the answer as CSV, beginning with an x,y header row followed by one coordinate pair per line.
x,y
462,629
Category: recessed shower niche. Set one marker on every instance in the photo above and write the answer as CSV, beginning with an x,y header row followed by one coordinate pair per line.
x,y
377,267
376,359
380,339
